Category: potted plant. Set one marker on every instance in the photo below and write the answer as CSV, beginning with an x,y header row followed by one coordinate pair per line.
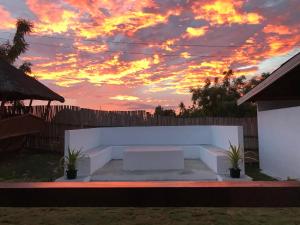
x,y
234,156
70,162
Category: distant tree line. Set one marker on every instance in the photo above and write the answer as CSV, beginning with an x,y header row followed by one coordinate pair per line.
x,y
218,98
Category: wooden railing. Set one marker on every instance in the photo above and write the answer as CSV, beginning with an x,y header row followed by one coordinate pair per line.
x,y
144,194
61,118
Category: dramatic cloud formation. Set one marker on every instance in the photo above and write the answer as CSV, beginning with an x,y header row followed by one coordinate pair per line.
x,y
130,54
7,21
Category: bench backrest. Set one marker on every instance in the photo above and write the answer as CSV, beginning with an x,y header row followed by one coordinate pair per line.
x,y
156,135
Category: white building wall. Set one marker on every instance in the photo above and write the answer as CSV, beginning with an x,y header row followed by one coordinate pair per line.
x,y
279,142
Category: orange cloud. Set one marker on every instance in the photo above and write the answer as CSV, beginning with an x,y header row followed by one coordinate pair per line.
x,y
196,31
281,46
111,71
110,17
7,22
125,98
165,62
167,45
109,8
278,29
128,22
224,12
52,17
185,55
90,47
217,66
156,59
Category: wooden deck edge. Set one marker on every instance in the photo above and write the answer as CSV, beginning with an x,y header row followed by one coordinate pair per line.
x,y
151,194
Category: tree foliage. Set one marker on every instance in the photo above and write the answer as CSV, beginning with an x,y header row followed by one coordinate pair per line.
x,y
160,111
218,97
10,52
26,67
183,112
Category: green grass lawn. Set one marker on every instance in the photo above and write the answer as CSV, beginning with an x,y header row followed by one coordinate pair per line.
x,y
144,216
252,170
30,166
37,166
42,166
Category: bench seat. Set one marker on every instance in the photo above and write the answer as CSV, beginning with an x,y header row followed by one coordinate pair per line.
x,y
93,159
215,158
153,158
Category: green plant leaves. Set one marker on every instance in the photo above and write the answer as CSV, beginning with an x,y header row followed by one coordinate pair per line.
x,y
234,155
71,159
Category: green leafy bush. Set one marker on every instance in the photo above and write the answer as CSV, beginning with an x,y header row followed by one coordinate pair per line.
x,y
71,159
234,156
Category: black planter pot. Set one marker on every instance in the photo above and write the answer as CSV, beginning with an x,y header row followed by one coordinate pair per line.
x,y
235,173
71,174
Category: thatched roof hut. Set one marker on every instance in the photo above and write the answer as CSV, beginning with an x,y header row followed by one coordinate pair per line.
x,y
16,85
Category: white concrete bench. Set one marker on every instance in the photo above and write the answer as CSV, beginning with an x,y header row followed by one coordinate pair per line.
x,y
93,159
208,143
153,158
215,158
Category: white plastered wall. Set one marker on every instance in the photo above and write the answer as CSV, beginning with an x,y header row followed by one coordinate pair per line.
x,y
279,142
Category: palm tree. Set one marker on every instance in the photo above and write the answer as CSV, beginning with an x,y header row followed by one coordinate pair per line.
x,y
182,109
11,52
26,67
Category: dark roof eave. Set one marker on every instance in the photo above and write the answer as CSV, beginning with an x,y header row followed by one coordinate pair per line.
x,y
16,85
18,96
11,96
278,73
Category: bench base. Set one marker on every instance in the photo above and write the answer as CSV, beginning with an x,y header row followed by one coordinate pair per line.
x,y
215,158
153,158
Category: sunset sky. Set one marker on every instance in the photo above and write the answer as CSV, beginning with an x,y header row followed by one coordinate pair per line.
x,y
137,54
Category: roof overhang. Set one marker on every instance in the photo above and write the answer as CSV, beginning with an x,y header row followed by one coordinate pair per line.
x,y
16,85
280,85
